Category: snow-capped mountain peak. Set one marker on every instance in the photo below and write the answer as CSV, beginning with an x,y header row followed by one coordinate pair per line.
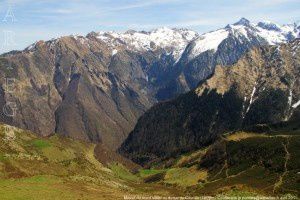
x,y
266,32
243,21
172,40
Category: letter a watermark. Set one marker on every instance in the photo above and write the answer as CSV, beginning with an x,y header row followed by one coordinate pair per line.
x,y
9,17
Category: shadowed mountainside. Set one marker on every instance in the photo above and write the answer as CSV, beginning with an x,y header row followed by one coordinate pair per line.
x,y
261,88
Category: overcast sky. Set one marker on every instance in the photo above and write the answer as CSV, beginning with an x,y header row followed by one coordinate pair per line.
x,y
46,19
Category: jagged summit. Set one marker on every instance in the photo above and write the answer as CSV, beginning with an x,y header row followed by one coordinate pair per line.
x,y
269,25
174,40
243,21
266,32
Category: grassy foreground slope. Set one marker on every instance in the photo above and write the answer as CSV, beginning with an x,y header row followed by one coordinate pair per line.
x,y
265,164
241,164
62,168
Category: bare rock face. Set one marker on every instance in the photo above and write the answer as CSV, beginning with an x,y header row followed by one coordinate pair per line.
x,y
33,90
263,87
91,88
76,88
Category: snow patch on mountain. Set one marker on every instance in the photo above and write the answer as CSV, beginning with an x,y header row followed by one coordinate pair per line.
x,y
295,105
271,33
271,36
208,41
239,30
173,41
114,52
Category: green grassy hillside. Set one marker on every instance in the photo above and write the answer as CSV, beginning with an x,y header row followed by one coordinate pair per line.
x,y
62,168
240,164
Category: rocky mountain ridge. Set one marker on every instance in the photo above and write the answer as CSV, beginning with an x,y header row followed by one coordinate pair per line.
x,y
94,88
222,47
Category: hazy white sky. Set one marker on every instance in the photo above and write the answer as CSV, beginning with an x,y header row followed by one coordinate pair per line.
x,y
45,19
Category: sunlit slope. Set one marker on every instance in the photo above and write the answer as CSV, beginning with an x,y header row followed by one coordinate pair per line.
x,y
239,164
260,163
61,168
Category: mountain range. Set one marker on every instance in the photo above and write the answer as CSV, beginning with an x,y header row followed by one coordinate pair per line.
x,y
107,80
167,113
